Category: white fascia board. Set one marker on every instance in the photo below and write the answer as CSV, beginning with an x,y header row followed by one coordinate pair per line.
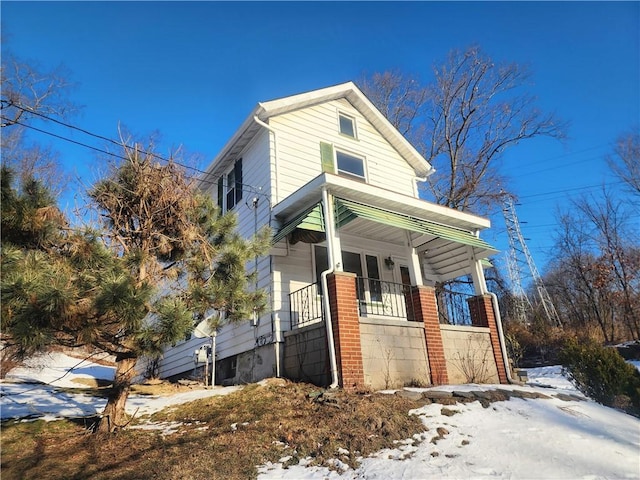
x,y
239,134
378,197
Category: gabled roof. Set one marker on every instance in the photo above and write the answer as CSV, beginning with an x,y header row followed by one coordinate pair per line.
x,y
350,92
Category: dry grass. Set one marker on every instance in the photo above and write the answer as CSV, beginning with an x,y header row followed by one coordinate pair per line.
x,y
218,438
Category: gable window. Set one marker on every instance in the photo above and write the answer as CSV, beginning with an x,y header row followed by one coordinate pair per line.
x,y
233,187
347,125
350,165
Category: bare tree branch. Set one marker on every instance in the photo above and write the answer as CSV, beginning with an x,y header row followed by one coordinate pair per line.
x,y
463,122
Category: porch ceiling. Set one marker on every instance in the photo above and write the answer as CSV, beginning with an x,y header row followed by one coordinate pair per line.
x,y
448,251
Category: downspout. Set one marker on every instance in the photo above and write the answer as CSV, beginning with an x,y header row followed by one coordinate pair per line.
x,y
328,220
416,179
275,318
503,346
416,190
277,333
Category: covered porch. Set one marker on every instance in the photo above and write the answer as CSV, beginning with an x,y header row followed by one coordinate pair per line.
x,y
388,314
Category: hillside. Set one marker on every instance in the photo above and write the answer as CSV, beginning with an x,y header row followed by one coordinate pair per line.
x,y
279,429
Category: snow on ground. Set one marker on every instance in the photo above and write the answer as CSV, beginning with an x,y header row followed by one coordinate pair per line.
x,y
517,439
32,391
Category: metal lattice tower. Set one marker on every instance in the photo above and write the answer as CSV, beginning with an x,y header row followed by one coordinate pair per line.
x,y
517,259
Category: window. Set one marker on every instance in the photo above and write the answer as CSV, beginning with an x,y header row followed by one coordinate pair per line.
x,y
352,262
375,287
350,165
221,193
234,186
347,125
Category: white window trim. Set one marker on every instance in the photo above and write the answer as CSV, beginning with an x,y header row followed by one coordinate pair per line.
x,y
336,150
353,122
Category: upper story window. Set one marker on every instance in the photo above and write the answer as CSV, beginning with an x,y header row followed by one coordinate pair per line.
x,y
230,187
350,165
347,125
341,162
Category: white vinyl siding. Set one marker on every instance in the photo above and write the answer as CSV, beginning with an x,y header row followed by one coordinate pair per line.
x,y
297,140
299,136
240,337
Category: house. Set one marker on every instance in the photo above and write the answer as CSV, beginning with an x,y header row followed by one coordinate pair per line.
x,y
351,276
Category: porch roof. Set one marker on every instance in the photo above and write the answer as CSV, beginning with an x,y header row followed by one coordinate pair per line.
x,y
348,210
447,249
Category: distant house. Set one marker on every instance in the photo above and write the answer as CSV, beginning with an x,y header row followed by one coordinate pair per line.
x,y
355,259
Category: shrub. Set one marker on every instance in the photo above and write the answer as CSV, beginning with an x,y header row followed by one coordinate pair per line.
x,y
536,344
602,374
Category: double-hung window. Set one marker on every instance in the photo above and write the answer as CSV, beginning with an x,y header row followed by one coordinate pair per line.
x,y
350,165
230,187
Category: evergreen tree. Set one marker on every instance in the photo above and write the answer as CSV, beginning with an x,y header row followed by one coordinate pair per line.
x,y
163,259
30,222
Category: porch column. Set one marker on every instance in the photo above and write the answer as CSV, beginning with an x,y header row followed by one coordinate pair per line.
x,y
346,329
415,272
482,315
477,274
426,311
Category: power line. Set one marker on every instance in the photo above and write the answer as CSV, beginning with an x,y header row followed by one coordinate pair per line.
x,y
87,132
64,138
570,189
248,188
564,156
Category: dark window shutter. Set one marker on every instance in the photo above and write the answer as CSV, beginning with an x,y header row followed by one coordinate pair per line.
x,y
326,156
221,192
237,168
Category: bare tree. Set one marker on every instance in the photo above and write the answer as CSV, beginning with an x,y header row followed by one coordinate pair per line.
x,y
463,122
400,98
595,277
625,162
27,91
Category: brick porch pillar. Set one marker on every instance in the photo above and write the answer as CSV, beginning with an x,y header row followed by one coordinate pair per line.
x,y
482,315
426,311
346,329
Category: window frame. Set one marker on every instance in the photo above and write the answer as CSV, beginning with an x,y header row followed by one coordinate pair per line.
x,y
347,173
352,119
369,288
232,186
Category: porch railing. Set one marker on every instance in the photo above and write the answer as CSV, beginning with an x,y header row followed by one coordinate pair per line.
x,y
453,307
384,299
377,298
305,306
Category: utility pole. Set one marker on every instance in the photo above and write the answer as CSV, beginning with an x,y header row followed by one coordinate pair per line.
x,y
519,258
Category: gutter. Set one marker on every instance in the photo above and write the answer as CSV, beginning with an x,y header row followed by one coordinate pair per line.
x,y
275,155
325,297
503,346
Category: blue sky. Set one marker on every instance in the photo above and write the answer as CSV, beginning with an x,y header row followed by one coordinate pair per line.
x,y
194,70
